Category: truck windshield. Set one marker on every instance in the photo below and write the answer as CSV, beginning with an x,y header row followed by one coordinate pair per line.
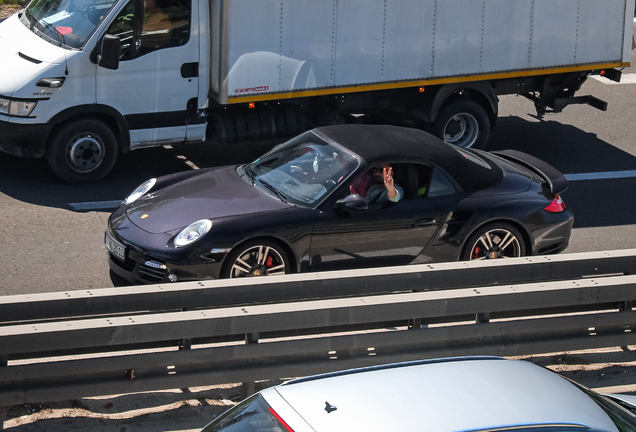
x,y
66,22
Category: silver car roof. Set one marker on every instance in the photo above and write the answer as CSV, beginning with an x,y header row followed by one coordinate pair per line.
x,y
475,394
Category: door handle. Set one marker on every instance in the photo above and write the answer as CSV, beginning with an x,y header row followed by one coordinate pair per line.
x,y
424,223
190,70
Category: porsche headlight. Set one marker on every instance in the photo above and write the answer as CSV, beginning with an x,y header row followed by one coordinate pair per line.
x,y
140,191
17,108
193,232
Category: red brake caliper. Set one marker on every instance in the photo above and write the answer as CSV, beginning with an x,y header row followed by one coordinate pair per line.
x,y
476,252
269,262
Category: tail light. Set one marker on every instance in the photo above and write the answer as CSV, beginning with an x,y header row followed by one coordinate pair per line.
x,y
556,206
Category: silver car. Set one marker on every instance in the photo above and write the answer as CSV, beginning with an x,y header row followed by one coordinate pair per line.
x,y
443,395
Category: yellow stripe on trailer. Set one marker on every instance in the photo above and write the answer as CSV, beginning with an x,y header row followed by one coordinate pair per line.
x,y
419,83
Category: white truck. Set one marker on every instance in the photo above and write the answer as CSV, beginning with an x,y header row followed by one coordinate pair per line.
x,y
82,81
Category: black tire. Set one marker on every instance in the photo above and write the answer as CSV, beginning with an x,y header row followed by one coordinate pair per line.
x,y
256,258
83,151
486,243
464,123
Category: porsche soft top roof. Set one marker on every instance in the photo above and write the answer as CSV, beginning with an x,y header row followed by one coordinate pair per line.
x,y
376,143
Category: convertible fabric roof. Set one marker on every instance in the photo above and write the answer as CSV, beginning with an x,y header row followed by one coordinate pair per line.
x,y
378,143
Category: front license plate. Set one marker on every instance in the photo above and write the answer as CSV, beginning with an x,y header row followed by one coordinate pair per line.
x,y
115,247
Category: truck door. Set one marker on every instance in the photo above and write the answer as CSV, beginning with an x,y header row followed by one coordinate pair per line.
x,y
156,85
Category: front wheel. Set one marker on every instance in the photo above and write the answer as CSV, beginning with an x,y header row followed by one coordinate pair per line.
x,y
464,123
83,151
259,258
499,240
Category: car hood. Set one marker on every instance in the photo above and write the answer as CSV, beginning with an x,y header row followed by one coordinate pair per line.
x,y
213,193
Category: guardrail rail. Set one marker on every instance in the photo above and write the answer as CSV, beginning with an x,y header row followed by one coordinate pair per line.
x,y
73,344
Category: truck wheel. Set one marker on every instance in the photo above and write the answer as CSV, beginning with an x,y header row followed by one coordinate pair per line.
x,y
464,123
83,151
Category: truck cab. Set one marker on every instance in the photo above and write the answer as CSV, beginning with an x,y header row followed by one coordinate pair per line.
x,y
57,101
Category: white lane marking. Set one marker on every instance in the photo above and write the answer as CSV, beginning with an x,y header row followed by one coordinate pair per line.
x,y
626,78
96,205
601,175
105,205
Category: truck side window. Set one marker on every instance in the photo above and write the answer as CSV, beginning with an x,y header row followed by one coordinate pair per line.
x,y
164,24
123,27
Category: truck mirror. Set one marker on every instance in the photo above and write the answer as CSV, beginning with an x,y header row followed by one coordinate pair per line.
x,y
111,49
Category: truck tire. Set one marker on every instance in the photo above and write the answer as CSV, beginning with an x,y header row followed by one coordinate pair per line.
x,y
82,151
464,123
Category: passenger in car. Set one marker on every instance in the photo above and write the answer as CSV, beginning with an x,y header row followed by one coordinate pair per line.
x,y
383,188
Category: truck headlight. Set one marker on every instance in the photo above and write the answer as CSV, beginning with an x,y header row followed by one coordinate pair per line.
x,y
18,108
4,106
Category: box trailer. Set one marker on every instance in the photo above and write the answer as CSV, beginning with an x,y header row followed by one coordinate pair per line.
x,y
85,80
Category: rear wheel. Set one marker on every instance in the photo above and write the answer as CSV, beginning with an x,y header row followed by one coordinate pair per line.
x,y
83,151
464,123
258,258
494,241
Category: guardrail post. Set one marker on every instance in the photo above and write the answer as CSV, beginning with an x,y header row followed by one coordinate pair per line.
x,y
4,362
626,306
482,318
185,344
248,388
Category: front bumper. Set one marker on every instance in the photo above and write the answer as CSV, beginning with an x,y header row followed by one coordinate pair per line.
x,y
141,267
25,140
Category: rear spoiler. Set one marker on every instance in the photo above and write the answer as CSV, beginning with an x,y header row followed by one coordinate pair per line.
x,y
552,176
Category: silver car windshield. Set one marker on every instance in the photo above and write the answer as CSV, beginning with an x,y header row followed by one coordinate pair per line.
x,y
623,415
304,170
252,414
66,22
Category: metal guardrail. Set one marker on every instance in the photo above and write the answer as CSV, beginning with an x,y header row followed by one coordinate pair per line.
x,y
218,332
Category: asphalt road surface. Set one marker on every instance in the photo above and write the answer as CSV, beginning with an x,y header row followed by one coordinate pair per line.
x,y
52,233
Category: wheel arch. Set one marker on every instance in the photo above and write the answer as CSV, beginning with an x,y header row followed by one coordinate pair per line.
x,y
527,240
283,244
108,115
480,92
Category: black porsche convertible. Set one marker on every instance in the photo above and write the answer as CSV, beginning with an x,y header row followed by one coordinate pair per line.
x,y
307,206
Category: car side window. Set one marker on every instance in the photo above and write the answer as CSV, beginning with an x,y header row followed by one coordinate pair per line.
x,y
422,178
440,185
162,24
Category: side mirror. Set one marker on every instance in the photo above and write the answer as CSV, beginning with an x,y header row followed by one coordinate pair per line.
x,y
354,201
111,49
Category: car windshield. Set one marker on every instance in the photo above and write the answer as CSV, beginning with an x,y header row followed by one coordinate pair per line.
x,y
623,415
304,170
251,415
66,22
